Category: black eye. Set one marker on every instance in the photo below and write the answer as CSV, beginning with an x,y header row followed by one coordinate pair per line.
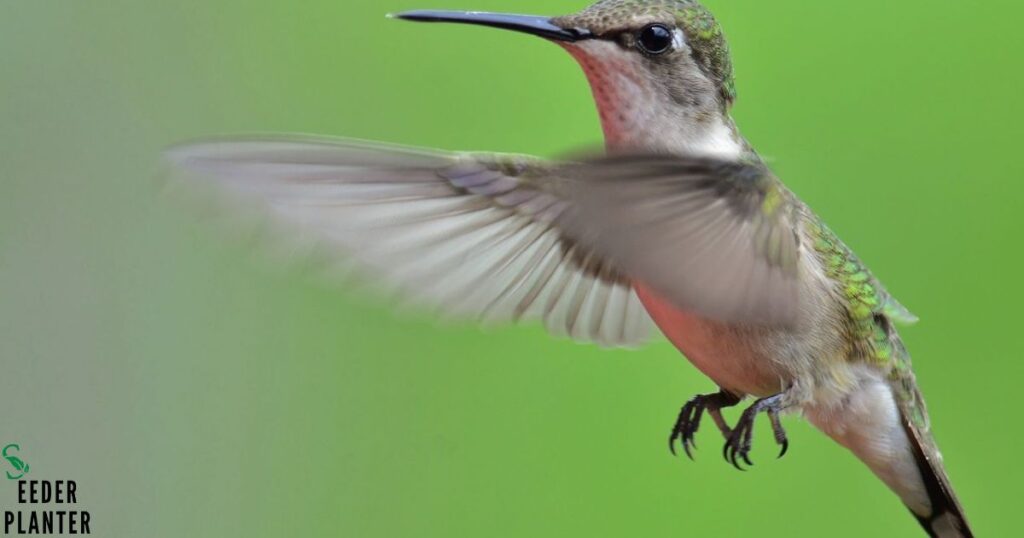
x,y
655,39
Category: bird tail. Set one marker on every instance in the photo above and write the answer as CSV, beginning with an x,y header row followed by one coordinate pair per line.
x,y
946,519
885,424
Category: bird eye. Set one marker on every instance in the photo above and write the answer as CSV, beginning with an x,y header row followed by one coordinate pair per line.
x,y
655,39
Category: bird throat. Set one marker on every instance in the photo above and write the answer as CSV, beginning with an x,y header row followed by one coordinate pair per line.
x,y
637,114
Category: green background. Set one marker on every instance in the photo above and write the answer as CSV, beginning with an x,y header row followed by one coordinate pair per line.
x,y
194,390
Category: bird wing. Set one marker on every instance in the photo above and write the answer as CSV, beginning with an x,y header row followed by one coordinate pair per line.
x,y
717,238
507,237
472,236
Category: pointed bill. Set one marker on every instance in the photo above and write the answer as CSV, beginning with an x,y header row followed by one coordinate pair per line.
x,y
530,24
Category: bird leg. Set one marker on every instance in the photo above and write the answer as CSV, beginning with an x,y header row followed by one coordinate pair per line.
x,y
689,419
737,447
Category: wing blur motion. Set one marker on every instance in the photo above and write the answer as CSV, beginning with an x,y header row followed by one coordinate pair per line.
x,y
467,234
506,237
714,237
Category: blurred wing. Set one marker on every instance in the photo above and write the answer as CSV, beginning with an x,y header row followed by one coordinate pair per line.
x,y
713,237
472,235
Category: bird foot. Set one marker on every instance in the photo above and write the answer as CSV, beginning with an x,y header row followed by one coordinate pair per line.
x,y
738,443
689,419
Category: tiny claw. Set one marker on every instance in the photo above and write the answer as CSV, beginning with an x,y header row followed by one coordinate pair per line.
x,y
785,448
730,454
689,444
738,446
736,463
686,447
688,422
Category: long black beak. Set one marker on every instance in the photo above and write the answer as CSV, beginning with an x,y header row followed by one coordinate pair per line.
x,y
530,24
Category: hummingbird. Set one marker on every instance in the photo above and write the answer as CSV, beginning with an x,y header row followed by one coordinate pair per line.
x,y
678,224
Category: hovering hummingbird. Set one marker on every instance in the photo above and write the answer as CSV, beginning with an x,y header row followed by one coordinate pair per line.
x,y
679,221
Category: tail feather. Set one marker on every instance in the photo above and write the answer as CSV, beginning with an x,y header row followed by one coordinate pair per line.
x,y
947,518
885,424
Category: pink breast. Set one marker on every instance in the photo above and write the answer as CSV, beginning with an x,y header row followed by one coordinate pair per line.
x,y
718,352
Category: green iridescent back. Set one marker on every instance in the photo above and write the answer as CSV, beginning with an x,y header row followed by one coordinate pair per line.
x,y
872,313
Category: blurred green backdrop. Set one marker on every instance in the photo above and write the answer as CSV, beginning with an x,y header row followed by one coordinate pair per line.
x,y
195,391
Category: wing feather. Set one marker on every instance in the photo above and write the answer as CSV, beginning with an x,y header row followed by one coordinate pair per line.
x,y
466,234
502,238
713,237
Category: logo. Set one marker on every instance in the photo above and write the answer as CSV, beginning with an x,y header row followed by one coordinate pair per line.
x,y
20,467
45,506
